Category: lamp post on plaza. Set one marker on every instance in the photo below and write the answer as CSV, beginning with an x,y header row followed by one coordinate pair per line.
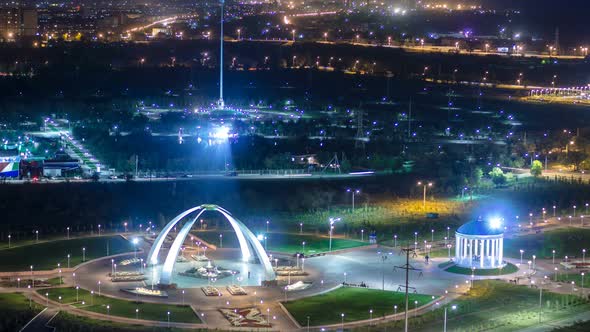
x,y
583,256
68,232
553,258
303,247
332,221
300,228
453,307
554,207
449,249
8,241
395,240
521,253
432,235
267,225
362,235
83,254
383,258
574,211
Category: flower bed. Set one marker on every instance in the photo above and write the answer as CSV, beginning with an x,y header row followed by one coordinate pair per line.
x,y
236,290
211,291
246,317
146,291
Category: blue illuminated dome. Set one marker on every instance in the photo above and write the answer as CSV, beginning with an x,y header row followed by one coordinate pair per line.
x,y
481,227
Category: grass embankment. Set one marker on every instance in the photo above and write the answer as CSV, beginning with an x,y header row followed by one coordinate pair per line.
x,y
507,269
16,311
354,303
119,307
565,242
65,322
46,255
498,306
284,242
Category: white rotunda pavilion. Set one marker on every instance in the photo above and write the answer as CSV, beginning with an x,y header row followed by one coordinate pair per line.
x,y
480,244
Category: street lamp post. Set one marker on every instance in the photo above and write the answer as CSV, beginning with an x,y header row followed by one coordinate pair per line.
x,y
553,258
300,228
332,221
353,192
521,253
574,211
429,184
445,322
83,254
293,32
8,241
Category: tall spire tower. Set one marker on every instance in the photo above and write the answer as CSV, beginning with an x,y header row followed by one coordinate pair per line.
x,y
220,102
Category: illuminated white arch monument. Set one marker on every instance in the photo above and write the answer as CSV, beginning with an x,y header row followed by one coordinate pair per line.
x,y
246,239
480,244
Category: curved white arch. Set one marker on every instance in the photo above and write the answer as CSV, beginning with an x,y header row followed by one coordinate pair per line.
x,y
245,238
152,257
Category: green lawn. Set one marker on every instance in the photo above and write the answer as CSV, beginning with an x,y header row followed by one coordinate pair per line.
x,y
497,306
16,311
46,255
565,241
122,308
355,303
508,269
575,277
285,242
68,322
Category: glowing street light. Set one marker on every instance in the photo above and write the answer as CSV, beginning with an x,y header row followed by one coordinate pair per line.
x,y
353,192
453,307
429,184
332,221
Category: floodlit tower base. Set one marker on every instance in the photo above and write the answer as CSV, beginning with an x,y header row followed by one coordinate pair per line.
x,y
220,104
